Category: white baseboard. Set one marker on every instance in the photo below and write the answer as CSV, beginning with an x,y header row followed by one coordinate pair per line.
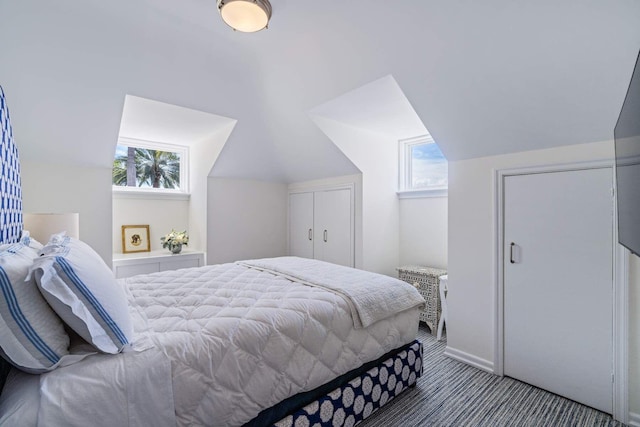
x,y
634,419
469,359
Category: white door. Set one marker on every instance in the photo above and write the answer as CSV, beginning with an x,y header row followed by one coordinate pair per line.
x,y
333,226
301,224
558,285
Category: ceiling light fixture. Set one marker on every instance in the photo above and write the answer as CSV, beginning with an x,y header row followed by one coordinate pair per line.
x,y
247,16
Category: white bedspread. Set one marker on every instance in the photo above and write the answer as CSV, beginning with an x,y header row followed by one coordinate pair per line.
x,y
229,340
371,297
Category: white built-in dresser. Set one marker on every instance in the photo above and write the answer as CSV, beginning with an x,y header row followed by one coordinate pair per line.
x,y
127,265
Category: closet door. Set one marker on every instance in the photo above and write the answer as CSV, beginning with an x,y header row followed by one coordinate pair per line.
x,y
301,225
333,227
558,286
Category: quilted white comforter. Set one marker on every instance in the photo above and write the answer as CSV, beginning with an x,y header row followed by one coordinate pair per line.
x,y
371,297
228,341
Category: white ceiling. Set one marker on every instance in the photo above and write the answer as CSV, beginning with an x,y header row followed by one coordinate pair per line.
x,y
149,120
379,106
485,78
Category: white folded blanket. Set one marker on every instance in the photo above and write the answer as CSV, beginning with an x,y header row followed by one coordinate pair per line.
x,y
371,296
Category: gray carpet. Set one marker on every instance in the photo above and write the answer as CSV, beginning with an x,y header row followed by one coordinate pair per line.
x,y
450,393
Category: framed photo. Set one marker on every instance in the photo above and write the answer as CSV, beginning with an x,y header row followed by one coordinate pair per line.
x,y
135,238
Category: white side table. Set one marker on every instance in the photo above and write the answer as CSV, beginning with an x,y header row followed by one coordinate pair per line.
x,y
443,303
425,280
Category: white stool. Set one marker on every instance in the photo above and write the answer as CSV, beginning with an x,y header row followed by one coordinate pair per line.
x,y
443,303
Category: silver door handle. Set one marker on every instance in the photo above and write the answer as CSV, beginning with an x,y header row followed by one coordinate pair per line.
x,y
310,234
511,253
325,236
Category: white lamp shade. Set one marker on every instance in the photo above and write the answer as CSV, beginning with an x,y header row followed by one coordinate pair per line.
x,y
247,16
42,225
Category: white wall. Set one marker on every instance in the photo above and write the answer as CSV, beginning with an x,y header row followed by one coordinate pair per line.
x,y
60,188
202,157
423,231
246,219
376,155
161,214
470,327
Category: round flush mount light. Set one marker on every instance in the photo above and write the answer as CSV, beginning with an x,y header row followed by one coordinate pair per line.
x,y
247,16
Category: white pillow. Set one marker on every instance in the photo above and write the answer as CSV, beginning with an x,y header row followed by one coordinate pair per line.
x,y
29,241
83,291
32,337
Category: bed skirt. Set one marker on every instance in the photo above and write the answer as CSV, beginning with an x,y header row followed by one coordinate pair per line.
x,y
366,392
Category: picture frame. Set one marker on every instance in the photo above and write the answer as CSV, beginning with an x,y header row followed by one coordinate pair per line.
x,y
135,238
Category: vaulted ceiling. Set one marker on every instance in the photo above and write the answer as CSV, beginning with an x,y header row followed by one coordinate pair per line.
x,y
484,77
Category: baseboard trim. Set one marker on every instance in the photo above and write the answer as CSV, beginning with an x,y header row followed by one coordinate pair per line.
x,y
634,419
469,359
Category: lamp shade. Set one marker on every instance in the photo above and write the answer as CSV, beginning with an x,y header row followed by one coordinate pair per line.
x,y
247,16
42,225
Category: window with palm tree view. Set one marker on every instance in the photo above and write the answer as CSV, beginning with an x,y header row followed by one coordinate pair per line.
x,y
145,168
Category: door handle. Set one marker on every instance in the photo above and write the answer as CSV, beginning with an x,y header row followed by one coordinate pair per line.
x,y
325,236
511,253
310,234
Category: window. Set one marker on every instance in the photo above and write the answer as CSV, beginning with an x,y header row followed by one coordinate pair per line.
x,y
149,167
423,168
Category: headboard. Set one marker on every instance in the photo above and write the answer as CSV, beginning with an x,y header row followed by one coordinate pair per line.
x,y
10,194
10,188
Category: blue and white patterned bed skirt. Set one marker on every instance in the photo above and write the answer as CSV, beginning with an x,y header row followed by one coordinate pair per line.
x,y
362,396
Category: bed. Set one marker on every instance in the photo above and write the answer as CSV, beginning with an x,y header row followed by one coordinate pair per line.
x,y
283,341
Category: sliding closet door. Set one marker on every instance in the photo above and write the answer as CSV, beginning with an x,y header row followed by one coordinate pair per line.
x,y
558,285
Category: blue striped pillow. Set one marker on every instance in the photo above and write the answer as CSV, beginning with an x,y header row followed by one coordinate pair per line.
x,y
70,274
32,337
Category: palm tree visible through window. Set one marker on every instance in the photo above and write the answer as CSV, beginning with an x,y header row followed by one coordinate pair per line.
x,y
142,167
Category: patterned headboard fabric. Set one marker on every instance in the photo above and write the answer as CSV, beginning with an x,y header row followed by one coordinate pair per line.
x,y
10,194
10,188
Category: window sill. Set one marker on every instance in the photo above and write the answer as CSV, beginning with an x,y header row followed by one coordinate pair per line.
x,y
149,195
419,194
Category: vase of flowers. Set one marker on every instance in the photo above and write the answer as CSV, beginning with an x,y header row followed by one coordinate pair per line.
x,y
175,240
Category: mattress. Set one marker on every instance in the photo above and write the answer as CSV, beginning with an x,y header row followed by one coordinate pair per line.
x,y
215,346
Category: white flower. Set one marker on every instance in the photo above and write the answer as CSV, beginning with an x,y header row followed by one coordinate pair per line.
x,y
175,238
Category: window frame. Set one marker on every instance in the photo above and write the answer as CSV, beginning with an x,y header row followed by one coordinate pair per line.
x,y
150,192
405,169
